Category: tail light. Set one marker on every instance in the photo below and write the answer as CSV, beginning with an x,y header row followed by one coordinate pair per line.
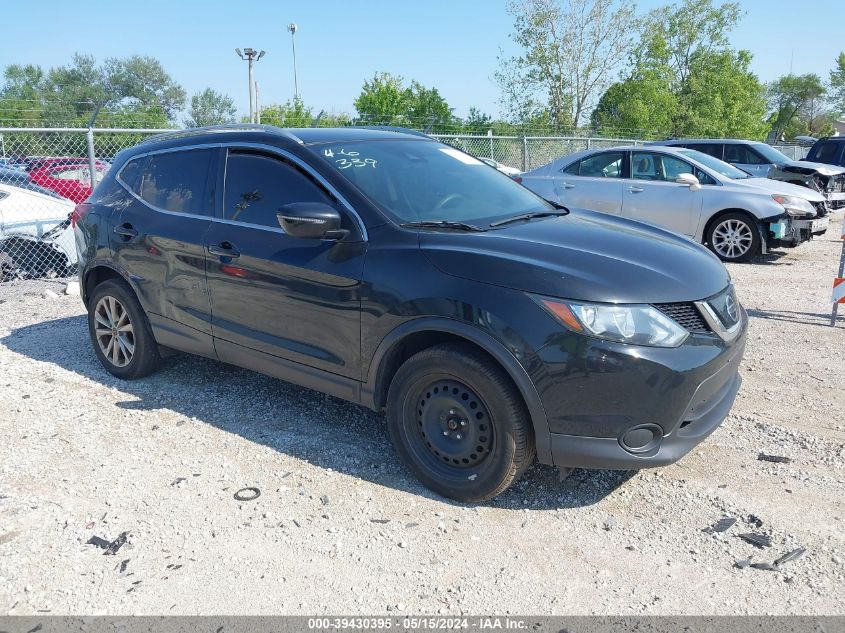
x,y
79,212
517,179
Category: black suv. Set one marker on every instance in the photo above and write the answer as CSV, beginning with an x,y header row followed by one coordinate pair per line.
x,y
396,272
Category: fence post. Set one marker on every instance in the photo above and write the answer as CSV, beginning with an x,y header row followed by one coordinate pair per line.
x,y
524,153
92,161
589,142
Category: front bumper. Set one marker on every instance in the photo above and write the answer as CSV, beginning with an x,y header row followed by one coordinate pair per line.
x,y
627,407
816,226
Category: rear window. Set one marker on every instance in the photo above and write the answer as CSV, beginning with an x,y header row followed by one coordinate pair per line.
x,y
827,153
175,181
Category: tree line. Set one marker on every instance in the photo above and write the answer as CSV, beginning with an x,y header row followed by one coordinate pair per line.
x,y
582,66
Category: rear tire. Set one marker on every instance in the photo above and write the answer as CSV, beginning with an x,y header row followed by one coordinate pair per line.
x,y
733,237
120,331
458,423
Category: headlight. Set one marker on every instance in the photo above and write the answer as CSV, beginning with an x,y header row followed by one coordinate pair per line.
x,y
634,324
793,205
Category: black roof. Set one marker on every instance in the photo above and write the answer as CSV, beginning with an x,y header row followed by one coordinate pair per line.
x,y
303,136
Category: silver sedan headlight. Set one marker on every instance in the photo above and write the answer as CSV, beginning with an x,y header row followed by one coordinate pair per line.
x,y
794,205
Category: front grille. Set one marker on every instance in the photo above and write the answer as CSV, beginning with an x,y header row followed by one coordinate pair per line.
x,y
686,315
821,208
838,184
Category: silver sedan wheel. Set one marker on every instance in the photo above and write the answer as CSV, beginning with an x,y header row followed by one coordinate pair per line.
x,y
732,239
114,332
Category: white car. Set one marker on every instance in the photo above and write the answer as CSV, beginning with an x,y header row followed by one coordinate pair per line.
x,y
688,192
508,171
36,239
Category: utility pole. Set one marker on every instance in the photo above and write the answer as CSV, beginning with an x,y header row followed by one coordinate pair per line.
x,y
293,28
257,106
250,55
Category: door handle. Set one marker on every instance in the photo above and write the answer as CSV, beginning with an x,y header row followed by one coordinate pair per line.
x,y
635,189
126,231
567,185
224,249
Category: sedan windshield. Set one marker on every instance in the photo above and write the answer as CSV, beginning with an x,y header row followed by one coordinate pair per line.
x,y
720,167
425,181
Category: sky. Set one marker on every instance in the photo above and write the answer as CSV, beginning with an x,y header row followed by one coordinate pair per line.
x,y
452,45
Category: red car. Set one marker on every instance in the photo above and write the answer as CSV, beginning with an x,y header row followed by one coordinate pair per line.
x,y
71,181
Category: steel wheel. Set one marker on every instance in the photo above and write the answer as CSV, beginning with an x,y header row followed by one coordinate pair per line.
x,y
454,425
114,332
732,238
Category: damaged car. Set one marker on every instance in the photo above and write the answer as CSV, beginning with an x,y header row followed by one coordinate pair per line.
x,y
693,194
36,239
764,161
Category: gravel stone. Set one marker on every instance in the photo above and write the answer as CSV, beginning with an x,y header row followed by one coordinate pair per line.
x,y
87,454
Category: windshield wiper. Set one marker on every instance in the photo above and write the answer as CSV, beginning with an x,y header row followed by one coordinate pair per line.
x,y
442,224
530,216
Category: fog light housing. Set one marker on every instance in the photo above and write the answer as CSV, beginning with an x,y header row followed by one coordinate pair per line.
x,y
642,439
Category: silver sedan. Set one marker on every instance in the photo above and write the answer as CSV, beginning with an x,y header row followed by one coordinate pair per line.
x,y
688,192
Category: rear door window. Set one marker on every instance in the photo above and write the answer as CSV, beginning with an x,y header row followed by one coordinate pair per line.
x,y
604,165
179,181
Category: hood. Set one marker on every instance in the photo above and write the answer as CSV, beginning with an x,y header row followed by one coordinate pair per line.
x,y
585,256
807,167
782,188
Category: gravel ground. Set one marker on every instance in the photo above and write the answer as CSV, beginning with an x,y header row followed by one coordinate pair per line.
x,y
340,527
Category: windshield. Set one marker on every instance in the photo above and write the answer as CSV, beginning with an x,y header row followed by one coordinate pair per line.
x,y
770,153
720,167
420,181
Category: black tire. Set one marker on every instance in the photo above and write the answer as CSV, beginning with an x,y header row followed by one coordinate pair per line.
x,y
747,237
475,438
145,357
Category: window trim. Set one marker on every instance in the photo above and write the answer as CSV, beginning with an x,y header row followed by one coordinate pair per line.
x,y
168,150
609,150
225,170
270,149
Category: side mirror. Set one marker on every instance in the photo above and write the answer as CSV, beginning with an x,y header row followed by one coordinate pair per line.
x,y
311,221
689,180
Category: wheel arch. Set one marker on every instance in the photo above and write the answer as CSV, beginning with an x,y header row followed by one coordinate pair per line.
x,y
720,213
97,274
424,332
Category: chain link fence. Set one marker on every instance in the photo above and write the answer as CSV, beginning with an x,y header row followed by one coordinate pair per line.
x,y
45,172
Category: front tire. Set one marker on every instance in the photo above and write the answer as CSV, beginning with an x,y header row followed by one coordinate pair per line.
x,y
120,331
734,237
458,423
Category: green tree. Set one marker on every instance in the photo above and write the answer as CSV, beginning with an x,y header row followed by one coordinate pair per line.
x,y
291,113
837,85
142,80
386,100
383,99
796,102
21,102
210,107
426,107
135,91
640,106
569,53
685,79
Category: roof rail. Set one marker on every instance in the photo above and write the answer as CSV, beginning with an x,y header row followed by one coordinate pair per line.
x,y
218,129
392,128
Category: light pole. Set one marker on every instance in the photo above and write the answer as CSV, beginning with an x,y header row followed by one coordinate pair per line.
x,y
293,28
250,55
